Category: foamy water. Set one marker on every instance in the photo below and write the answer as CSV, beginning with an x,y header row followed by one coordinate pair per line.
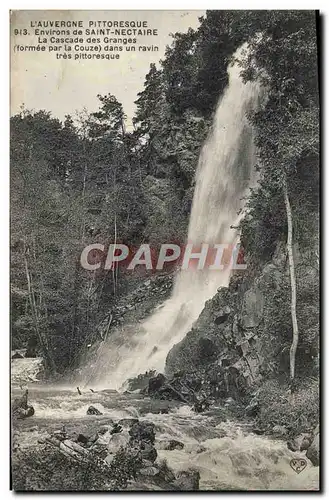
x,y
227,454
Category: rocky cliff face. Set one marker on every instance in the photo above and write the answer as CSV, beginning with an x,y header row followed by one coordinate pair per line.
x,y
244,333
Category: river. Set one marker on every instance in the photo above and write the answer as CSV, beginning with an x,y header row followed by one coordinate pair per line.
x,y
226,453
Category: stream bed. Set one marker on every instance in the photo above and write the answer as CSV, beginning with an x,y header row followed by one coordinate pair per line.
x,y
227,454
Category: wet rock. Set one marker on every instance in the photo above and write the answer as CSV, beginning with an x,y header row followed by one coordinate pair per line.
x,y
24,412
20,402
201,406
148,452
93,411
293,445
116,429
300,443
162,410
258,431
170,444
313,452
31,352
92,439
149,471
195,448
17,355
306,442
82,439
117,441
187,480
142,431
156,383
103,429
141,382
128,422
165,473
316,430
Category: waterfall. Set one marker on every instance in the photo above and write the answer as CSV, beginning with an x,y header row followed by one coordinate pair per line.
x,y
223,177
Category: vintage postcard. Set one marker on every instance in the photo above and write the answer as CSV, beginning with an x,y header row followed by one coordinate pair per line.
x,y
164,250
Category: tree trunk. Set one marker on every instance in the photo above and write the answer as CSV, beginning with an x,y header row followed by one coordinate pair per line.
x,y
35,317
294,343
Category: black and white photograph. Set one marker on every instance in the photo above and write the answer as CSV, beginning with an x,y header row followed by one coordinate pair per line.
x,y
165,250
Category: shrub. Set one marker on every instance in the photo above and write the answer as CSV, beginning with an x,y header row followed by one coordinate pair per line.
x,y
47,469
298,412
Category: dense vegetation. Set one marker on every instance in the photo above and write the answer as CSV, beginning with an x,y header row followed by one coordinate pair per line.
x,y
88,180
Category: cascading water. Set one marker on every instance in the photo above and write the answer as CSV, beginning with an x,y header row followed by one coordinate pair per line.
x,y
224,175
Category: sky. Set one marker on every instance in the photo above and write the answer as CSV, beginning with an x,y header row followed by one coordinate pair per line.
x,y
40,81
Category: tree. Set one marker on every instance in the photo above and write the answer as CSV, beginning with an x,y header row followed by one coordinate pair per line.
x,y
294,344
284,59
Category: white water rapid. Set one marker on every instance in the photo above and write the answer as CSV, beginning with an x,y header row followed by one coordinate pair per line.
x,y
226,454
224,175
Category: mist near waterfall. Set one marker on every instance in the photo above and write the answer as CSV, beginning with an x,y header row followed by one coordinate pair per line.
x,y
224,175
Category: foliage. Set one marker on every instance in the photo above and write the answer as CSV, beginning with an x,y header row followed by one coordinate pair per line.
x,y
298,412
47,469
284,58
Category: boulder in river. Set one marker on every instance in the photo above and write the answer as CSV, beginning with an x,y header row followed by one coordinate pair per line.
x,y
142,437
20,402
17,355
25,412
128,422
187,480
148,452
117,441
300,443
21,408
93,411
116,429
155,383
306,442
170,444
104,428
142,431
313,452
201,405
141,381
82,439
